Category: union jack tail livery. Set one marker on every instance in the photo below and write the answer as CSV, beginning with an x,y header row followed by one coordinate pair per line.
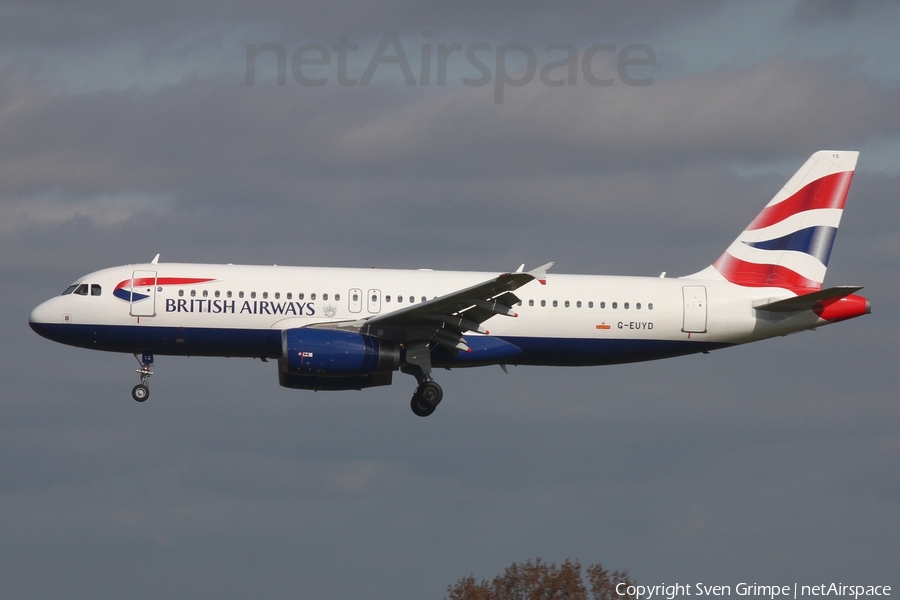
x,y
788,244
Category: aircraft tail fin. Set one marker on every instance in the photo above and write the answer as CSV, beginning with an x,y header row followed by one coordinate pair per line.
x,y
789,243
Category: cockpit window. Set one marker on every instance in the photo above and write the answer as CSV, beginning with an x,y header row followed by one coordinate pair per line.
x,y
81,290
69,290
95,289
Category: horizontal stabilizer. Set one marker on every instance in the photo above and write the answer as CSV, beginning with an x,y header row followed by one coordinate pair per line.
x,y
808,301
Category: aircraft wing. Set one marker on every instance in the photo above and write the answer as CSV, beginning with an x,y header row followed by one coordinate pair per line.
x,y
445,319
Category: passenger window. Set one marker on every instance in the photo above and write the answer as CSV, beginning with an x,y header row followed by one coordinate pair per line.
x,y
386,298
543,303
591,304
337,297
289,295
638,306
69,290
324,296
253,294
578,304
95,289
555,304
218,293
193,293
603,305
205,293
399,298
424,299
615,305
531,303
567,304
625,306
180,293
265,295
650,306
228,294
240,294
300,296
412,299
277,295
312,296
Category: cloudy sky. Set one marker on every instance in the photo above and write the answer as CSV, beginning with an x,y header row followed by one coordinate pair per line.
x,y
129,129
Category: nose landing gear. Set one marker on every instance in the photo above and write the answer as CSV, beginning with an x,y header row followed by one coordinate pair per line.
x,y
141,391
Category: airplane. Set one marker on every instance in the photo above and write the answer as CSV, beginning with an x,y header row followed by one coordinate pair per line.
x,y
352,328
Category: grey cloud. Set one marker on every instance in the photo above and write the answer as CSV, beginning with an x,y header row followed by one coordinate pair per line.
x,y
812,11
170,25
243,140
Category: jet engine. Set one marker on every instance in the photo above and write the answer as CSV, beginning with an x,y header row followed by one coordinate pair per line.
x,y
330,359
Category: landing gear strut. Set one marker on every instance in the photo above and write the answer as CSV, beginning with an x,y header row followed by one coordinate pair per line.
x,y
428,393
141,391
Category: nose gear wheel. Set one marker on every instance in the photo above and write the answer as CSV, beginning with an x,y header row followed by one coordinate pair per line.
x,y
141,391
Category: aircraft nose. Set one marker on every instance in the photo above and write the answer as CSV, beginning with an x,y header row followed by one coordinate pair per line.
x,y
39,315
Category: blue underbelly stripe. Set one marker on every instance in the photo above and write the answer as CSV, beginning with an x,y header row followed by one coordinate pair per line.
x,y
255,343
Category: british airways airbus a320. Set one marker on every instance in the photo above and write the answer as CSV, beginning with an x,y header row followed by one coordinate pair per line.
x,y
343,329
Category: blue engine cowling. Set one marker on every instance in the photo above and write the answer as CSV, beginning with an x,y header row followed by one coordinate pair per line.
x,y
335,353
318,382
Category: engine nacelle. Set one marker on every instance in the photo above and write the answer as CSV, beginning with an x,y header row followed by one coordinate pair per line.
x,y
318,382
336,353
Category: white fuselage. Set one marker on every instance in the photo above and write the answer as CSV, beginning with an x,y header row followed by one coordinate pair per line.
x,y
235,310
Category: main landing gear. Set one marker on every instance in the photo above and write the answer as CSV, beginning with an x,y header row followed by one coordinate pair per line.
x,y
426,398
141,391
428,393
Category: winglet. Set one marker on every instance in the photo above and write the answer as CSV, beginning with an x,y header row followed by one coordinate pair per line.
x,y
541,273
155,260
521,268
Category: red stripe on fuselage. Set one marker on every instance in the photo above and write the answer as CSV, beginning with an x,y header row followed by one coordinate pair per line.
x,y
143,281
828,192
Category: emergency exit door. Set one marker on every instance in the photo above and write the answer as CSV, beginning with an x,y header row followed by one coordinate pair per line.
x,y
374,301
355,299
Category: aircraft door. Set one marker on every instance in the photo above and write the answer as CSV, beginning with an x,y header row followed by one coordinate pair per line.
x,y
374,301
143,294
355,298
694,309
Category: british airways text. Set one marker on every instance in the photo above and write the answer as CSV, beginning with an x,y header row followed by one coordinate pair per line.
x,y
256,307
